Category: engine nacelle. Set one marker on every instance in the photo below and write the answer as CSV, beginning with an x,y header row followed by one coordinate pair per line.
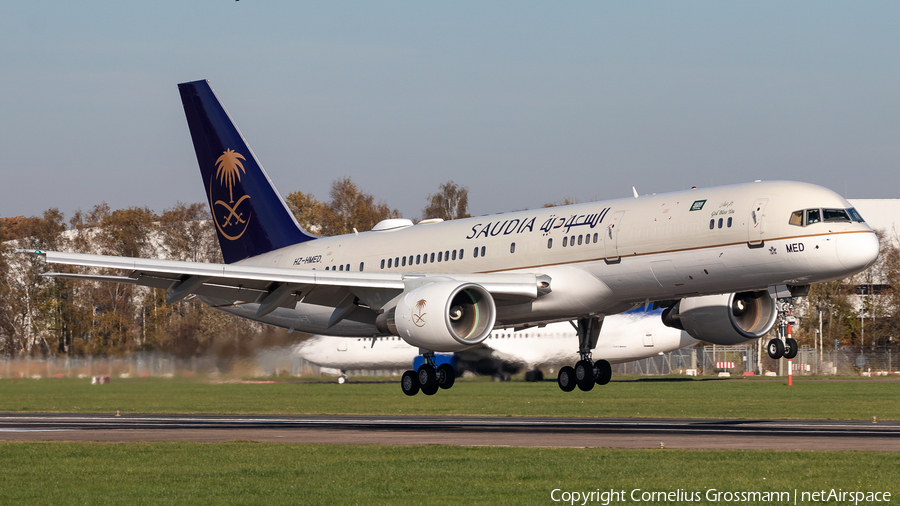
x,y
442,316
724,319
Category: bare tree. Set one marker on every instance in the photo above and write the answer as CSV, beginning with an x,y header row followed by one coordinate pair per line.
x,y
451,202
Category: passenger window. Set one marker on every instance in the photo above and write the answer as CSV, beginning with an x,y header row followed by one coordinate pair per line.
x,y
549,243
397,262
595,238
854,214
389,262
729,222
565,241
476,252
382,263
812,216
512,248
432,258
796,218
447,256
348,267
404,261
482,251
579,240
460,253
440,256
835,215
572,241
712,223
454,255
361,266
418,259
720,222
341,268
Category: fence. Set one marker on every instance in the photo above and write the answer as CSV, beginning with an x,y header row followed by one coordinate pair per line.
x,y
704,361
737,360
266,362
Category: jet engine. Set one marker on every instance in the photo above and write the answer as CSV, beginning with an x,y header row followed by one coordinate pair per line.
x,y
724,319
441,316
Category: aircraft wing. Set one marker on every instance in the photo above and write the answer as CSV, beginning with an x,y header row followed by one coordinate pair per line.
x,y
274,287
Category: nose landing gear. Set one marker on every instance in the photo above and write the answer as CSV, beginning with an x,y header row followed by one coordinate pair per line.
x,y
783,345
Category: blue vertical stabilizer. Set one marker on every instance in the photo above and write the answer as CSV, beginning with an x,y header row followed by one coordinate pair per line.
x,y
250,216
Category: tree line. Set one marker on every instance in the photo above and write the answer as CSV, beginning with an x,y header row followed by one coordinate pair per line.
x,y
44,316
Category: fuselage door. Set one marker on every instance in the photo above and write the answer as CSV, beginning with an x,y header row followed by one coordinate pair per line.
x,y
755,223
611,237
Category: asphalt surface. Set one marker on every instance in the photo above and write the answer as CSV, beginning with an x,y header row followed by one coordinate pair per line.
x,y
466,431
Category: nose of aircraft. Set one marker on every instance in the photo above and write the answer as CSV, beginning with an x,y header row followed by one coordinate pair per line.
x,y
857,251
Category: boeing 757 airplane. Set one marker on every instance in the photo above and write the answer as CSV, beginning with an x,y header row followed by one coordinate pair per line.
x,y
714,258
629,336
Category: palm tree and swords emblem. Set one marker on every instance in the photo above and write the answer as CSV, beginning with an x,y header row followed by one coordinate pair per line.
x,y
418,314
228,172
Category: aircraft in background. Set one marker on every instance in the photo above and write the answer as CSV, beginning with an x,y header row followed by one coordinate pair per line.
x,y
716,259
629,336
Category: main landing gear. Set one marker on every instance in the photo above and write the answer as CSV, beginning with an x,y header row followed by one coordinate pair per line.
x,y
586,372
783,345
428,378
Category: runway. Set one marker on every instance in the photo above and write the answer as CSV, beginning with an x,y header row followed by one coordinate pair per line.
x,y
464,431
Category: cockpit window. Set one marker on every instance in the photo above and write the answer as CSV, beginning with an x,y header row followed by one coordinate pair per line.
x,y
813,216
835,215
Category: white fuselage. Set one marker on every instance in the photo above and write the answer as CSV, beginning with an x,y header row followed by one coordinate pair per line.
x,y
625,337
603,257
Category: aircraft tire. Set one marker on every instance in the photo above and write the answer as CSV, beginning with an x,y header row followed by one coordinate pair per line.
x,y
431,389
791,348
584,375
342,379
446,376
603,372
775,349
427,376
566,379
410,383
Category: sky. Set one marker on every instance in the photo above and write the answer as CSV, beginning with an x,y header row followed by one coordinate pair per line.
x,y
522,102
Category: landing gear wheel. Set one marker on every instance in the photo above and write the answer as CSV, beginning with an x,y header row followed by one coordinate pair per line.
x,y
584,375
534,375
446,376
775,348
566,379
602,371
790,348
427,376
410,383
342,379
430,389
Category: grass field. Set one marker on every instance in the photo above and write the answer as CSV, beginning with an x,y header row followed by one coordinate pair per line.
x,y
624,397
256,473
244,472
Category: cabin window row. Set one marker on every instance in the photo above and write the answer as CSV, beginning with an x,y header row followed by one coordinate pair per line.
x,y
721,222
440,256
571,240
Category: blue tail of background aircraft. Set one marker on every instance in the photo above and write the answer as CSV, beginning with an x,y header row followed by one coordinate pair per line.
x,y
250,216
